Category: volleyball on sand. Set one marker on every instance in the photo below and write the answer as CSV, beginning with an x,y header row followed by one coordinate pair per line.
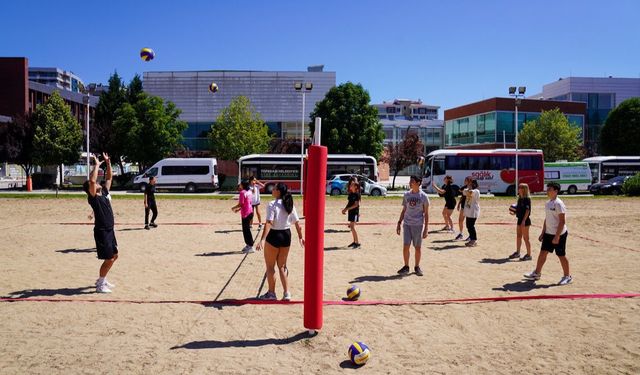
x,y
147,54
359,353
353,292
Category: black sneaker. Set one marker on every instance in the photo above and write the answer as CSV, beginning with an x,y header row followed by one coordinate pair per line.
x,y
418,271
353,244
526,257
357,246
146,227
404,270
515,255
153,225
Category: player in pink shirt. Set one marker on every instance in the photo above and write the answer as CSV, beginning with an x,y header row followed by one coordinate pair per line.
x,y
246,212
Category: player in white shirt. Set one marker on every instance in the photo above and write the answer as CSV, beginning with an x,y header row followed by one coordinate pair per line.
x,y
554,235
255,191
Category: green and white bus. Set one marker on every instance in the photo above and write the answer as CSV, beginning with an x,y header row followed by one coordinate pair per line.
x,y
572,176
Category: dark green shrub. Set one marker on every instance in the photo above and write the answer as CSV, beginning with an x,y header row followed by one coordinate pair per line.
x,y
631,186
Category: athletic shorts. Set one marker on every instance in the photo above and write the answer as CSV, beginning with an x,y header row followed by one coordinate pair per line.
x,y
413,233
354,216
548,245
255,205
106,243
527,222
279,238
450,205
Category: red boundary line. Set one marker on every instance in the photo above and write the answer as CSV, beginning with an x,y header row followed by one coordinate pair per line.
x,y
334,303
366,224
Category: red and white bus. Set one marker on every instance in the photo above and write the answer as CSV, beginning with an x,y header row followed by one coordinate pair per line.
x,y
494,169
273,168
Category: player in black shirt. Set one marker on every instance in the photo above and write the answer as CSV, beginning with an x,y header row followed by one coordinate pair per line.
x,y
150,203
105,238
353,208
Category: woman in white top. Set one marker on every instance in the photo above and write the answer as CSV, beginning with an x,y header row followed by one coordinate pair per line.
x,y
255,192
472,211
276,239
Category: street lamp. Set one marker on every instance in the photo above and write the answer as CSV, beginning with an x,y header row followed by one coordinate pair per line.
x,y
517,96
299,87
86,99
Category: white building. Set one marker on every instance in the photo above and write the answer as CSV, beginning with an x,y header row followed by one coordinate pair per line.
x,y
55,77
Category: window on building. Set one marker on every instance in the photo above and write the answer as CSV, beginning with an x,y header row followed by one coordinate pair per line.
x,y
579,97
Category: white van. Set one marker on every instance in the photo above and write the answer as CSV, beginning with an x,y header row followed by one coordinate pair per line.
x,y
572,176
179,173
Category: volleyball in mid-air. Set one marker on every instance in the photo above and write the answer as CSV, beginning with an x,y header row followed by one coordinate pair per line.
x,y
213,87
513,209
359,353
147,54
420,160
353,293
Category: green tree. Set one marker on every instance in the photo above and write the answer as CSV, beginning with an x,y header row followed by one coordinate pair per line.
x,y
350,125
134,89
620,129
102,132
553,134
16,142
58,136
239,130
148,130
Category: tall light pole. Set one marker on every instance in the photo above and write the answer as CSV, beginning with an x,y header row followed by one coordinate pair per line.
x,y
517,96
298,87
86,100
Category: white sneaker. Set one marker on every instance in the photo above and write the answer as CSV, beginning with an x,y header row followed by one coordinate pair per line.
x,y
533,275
107,284
286,296
452,231
248,250
103,289
566,280
259,226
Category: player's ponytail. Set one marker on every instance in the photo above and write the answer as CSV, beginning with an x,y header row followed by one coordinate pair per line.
x,y
286,197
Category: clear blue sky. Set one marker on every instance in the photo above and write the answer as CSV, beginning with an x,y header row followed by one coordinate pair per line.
x,y
447,53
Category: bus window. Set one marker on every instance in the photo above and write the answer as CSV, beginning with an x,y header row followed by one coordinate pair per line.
x,y
595,173
438,167
279,172
479,162
457,163
502,162
248,171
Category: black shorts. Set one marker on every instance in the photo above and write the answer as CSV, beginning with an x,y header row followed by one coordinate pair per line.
x,y
255,205
527,223
548,245
354,216
279,238
106,243
450,205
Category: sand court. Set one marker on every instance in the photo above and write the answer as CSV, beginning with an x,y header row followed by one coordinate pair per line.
x,y
182,261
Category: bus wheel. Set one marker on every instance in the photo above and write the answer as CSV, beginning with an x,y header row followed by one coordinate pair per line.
x,y
269,188
511,191
335,191
143,188
572,189
375,192
191,188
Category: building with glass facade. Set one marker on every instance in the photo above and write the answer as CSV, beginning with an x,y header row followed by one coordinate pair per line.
x,y
272,93
401,114
58,78
490,123
601,95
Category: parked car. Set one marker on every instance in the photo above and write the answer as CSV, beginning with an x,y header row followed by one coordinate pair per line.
x,y
190,175
338,185
612,186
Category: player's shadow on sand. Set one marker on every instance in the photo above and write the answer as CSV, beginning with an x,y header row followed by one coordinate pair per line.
x,y
495,261
522,286
338,248
212,344
214,254
375,278
228,231
448,247
67,251
337,231
51,292
129,229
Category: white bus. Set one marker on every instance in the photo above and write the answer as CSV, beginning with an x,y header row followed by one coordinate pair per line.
x,y
605,167
572,176
494,169
273,168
